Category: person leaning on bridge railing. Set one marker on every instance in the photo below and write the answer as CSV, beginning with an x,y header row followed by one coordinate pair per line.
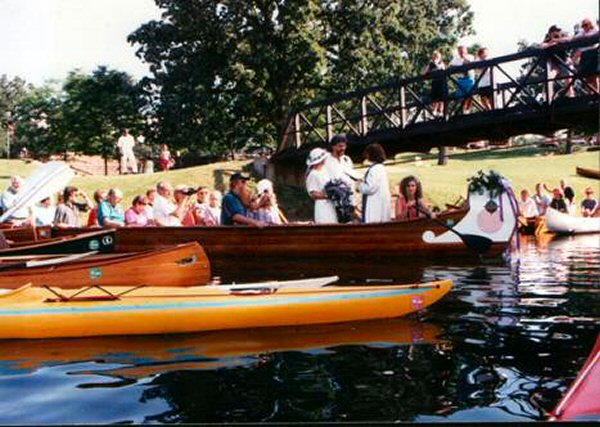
x,y
466,81
561,64
439,87
587,56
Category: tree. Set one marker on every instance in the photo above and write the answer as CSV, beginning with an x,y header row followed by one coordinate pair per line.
x,y
11,92
38,117
96,108
225,74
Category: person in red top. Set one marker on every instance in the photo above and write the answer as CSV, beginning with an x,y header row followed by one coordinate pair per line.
x,y
410,204
99,197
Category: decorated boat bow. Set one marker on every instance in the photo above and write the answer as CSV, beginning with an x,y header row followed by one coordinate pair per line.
x,y
492,212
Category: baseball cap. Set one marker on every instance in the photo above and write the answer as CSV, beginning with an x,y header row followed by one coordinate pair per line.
x,y
237,176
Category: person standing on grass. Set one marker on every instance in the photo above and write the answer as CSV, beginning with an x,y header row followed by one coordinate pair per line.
x,y
125,145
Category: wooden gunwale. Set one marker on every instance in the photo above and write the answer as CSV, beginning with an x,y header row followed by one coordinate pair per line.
x,y
64,244
151,268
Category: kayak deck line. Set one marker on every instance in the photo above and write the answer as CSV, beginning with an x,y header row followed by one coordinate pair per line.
x,y
262,300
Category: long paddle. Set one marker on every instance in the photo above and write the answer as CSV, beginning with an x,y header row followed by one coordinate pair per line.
x,y
45,262
479,244
48,179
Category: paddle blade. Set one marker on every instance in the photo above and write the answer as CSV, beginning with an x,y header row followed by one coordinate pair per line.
x,y
479,244
46,180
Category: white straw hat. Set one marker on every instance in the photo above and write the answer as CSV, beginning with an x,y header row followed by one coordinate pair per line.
x,y
316,156
264,185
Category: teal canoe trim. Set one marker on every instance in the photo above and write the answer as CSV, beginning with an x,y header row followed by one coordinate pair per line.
x,y
235,302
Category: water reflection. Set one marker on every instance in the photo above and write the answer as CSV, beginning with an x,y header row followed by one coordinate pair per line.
x,y
503,346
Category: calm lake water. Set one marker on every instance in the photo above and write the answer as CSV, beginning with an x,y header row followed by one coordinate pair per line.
x,y
503,346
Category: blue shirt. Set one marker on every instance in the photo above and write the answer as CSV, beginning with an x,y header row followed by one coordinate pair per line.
x,y
110,212
231,206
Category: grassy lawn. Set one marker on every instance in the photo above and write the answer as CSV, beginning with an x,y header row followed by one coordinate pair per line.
x,y
524,167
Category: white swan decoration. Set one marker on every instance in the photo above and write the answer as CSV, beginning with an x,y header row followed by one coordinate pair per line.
x,y
494,217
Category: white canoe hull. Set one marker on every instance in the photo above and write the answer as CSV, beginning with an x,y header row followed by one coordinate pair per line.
x,y
561,223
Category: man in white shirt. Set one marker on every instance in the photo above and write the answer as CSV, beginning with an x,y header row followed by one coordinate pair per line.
x,y
125,144
166,213
8,199
338,165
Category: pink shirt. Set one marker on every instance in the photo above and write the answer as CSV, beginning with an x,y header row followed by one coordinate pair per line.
x,y
134,219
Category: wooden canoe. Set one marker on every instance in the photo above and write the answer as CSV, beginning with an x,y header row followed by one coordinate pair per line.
x,y
27,234
31,312
588,173
181,265
424,237
197,350
581,402
101,241
562,223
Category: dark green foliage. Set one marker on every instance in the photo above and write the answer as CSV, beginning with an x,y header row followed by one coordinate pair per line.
x,y
226,74
85,116
490,182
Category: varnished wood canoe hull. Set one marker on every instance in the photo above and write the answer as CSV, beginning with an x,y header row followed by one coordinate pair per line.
x,y
28,313
588,173
101,241
224,244
183,265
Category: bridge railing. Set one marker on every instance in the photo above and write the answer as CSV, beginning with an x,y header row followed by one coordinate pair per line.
x,y
407,103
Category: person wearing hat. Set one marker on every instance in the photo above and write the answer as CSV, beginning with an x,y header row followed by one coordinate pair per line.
x,y
338,165
316,180
233,210
589,204
264,206
110,212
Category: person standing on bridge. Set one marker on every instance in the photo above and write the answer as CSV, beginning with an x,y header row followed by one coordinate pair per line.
x,y
560,61
466,80
588,55
439,87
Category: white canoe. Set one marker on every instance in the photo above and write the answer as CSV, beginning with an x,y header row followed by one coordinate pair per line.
x,y
561,223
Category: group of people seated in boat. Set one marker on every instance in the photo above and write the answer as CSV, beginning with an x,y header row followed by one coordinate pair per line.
x,y
331,181
563,199
163,205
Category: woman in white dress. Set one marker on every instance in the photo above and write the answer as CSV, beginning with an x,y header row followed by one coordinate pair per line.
x,y
316,180
375,188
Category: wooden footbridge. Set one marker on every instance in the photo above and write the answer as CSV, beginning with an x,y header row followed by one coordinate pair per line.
x,y
400,116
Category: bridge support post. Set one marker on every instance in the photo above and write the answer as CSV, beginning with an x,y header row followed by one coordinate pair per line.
x,y
442,155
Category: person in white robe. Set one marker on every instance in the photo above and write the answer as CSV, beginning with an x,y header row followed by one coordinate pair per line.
x,y
316,180
375,188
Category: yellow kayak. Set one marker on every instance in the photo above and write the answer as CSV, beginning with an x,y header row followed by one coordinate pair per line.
x,y
30,312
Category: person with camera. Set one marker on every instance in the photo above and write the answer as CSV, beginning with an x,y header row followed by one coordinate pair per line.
x,y
68,212
264,205
166,213
233,209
